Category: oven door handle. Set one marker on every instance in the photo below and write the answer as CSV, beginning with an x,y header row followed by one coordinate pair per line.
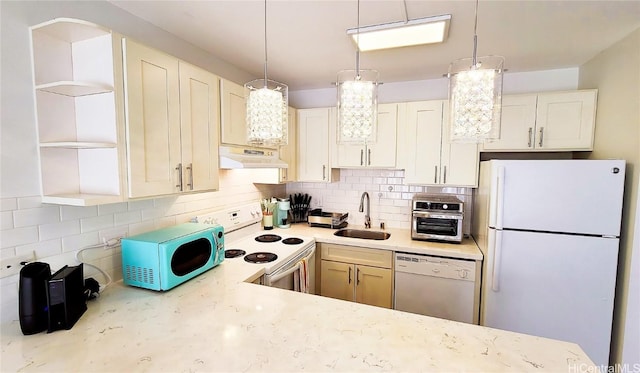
x,y
279,276
437,216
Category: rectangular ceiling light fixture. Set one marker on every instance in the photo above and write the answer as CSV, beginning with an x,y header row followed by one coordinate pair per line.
x,y
418,31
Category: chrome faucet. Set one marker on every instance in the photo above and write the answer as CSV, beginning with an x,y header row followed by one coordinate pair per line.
x,y
367,218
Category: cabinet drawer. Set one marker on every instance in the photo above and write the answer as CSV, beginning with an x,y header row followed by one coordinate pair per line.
x,y
357,255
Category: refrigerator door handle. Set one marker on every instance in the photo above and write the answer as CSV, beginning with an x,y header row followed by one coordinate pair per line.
x,y
499,198
497,250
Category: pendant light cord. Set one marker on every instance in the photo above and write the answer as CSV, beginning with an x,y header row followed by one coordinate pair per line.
x,y
474,61
265,43
358,46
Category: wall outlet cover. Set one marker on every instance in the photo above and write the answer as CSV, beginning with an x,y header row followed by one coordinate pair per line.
x,y
12,266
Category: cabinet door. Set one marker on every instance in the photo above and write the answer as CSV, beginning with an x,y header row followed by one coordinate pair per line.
x,y
313,144
373,286
382,153
460,161
518,124
422,142
337,280
152,120
566,120
233,110
200,123
288,153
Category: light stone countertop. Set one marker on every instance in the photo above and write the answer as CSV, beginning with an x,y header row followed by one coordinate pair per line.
x,y
400,240
217,322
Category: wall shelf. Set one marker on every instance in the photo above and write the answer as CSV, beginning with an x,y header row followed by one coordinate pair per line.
x,y
74,89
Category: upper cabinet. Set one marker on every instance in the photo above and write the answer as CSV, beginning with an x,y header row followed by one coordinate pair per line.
x,y
233,110
77,74
315,128
552,121
424,150
172,124
379,151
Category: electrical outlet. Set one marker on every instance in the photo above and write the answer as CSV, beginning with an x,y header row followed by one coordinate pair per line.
x,y
113,233
12,266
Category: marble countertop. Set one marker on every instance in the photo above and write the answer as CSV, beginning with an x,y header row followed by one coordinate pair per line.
x,y
400,240
218,322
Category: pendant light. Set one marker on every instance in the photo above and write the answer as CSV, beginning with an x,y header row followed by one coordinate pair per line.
x,y
475,95
357,101
267,106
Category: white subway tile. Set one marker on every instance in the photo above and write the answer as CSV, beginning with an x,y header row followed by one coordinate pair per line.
x,y
6,220
76,212
36,216
61,229
7,253
127,217
401,203
140,205
8,204
18,236
41,249
96,223
112,208
30,202
143,227
79,241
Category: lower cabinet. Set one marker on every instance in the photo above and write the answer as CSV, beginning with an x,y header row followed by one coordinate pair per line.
x,y
357,274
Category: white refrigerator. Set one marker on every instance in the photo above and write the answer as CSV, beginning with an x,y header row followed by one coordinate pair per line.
x,y
549,231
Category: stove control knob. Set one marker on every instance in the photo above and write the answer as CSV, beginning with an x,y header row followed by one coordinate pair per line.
x,y
445,206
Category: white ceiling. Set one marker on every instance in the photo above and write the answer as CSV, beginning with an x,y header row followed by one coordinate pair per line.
x,y
307,41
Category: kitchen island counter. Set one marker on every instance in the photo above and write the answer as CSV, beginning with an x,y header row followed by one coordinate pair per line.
x,y
217,322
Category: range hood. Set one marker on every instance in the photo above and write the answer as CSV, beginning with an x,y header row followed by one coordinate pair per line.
x,y
239,157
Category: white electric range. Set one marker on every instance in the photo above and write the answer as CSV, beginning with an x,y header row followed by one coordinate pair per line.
x,y
286,258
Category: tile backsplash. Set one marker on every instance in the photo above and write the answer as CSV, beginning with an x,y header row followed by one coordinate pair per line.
x,y
55,233
390,198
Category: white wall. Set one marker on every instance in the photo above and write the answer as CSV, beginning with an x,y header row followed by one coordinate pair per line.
x,y
437,89
616,74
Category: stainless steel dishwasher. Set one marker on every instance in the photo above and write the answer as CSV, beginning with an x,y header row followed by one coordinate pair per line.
x,y
440,287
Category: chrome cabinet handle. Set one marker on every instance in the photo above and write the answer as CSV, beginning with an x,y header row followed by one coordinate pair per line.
x,y
445,175
349,274
285,176
435,174
541,135
361,157
369,157
179,168
190,168
324,172
530,133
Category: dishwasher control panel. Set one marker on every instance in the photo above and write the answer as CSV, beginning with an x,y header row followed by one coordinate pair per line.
x,y
456,269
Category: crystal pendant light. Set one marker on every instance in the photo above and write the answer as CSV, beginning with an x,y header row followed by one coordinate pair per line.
x,y
357,102
267,106
475,95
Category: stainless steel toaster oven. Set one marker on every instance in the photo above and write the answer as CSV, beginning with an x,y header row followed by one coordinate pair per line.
x,y
437,218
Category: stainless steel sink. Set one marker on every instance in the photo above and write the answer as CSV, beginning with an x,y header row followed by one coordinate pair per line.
x,y
364,234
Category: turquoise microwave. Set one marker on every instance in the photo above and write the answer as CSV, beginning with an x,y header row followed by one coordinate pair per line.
x,y
165,258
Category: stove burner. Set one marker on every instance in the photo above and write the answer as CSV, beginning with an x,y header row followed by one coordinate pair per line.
x,y
292,241
268,238
260,257
234,253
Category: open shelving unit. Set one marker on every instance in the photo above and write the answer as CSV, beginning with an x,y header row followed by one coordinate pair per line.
x,y
76,67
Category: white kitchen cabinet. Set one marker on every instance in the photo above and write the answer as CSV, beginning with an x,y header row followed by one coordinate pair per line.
x,y
172,145
78,88
314,131
379,151
425,152
550,121
233,110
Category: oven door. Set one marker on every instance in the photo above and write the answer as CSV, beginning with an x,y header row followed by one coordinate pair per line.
x,y
437,226
289,275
